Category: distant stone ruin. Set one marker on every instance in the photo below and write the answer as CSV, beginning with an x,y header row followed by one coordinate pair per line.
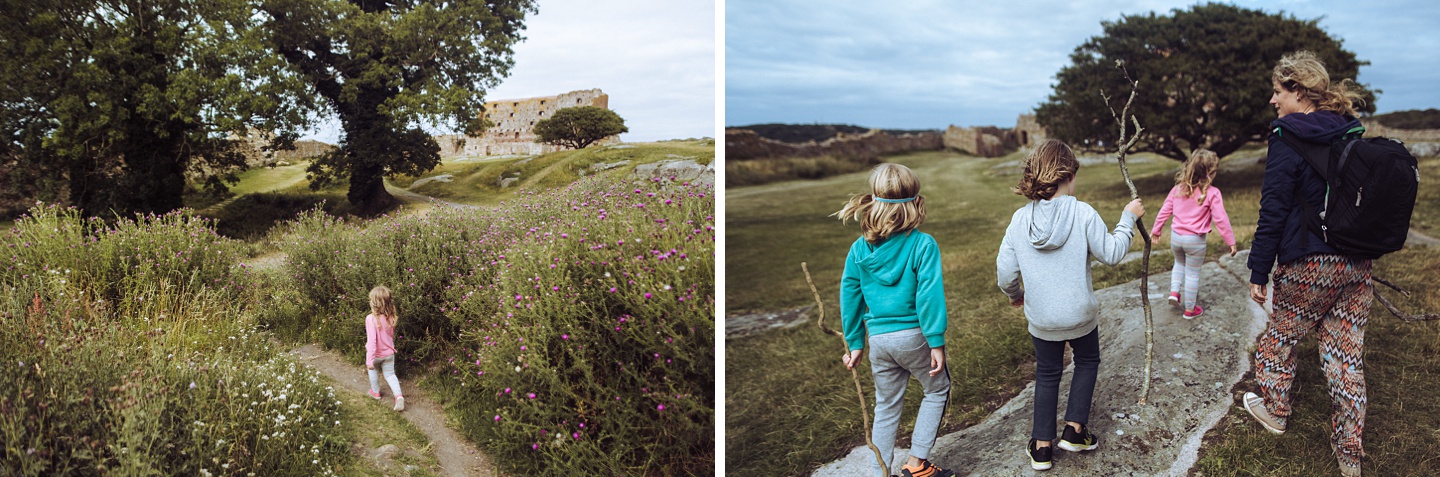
x,y
513,123
741,144
252,146
991,141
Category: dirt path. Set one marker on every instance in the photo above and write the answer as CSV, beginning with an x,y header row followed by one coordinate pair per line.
x,y
458,458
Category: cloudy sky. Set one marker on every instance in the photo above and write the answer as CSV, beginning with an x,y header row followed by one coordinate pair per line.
x,y
655,58
925,64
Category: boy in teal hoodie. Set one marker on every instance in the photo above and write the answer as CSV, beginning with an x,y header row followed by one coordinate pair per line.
x,y
892,291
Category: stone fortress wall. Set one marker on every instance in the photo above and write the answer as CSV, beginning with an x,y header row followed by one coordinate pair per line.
x,y
991,141
513,122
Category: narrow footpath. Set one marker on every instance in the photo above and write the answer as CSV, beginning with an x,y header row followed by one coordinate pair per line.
x,y
458,458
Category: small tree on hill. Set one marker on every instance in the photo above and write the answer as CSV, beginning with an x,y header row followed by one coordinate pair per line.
x,y
579,126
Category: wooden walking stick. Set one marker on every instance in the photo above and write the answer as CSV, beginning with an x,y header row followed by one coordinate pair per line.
x,y
1124,146
859,392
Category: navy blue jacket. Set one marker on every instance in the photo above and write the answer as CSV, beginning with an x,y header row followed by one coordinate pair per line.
x,y
1280,234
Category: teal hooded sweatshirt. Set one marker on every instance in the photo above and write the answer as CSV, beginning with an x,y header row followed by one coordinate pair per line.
x,y
893,286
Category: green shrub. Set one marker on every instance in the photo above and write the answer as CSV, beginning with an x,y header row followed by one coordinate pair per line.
x,y
137,363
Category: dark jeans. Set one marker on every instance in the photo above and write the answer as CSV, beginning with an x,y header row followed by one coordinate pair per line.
x,y
1049,363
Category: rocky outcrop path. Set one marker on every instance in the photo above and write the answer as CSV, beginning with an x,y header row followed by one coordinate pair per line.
x,y
1197,363
458,458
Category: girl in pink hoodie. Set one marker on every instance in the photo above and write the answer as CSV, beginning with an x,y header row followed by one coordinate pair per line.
x,y
380,344
1196,206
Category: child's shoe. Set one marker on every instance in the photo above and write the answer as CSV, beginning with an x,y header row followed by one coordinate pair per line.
x,y
399,403
1256,406
1080,441
1039,457
375,394
926,469
1194,312
1175,299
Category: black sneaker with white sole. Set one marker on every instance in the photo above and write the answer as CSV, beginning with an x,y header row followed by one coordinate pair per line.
x,y
1078,441
1039,457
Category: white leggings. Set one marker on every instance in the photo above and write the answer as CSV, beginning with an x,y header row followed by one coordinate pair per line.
x,y
387,365
1189,257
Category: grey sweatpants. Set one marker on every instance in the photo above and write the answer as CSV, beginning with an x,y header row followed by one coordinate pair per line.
x,y
894,358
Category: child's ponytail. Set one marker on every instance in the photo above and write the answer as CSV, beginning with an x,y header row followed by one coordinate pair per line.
x,y
1195,176
381,303
893,206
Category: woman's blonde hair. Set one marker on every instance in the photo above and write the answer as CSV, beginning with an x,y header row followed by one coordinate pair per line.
x,y
382,304
1195,176
878,219
1302,72
1049,165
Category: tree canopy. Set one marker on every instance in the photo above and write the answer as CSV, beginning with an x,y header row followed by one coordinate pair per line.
x,y
579,126
1204,78
387,67
109,104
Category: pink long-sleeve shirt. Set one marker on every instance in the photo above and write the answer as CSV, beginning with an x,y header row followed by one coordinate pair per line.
x,y
1193,218
379,338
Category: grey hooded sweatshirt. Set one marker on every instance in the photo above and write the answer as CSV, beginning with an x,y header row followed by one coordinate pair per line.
x,y
1049,243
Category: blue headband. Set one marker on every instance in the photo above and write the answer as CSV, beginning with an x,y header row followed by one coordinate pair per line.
x,y
895,201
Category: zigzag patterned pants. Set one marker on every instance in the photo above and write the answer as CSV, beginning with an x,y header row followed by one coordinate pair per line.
x,y
1330,294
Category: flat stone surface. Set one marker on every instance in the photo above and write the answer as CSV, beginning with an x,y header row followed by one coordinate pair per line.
x,y
1196,364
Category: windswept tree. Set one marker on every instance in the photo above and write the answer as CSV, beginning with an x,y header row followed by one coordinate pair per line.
x,y
386,68
1205,73
579,126
111,103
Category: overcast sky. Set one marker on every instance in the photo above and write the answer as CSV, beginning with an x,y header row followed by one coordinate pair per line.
x,y
655,58
926,64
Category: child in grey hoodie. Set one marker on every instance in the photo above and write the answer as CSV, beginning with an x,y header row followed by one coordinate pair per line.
x,y
1049,243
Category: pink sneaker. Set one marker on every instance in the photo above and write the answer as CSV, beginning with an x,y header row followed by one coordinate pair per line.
x,y
1194,312
1175,299
375,394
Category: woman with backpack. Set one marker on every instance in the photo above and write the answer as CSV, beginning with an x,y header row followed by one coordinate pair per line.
x,y
1316,286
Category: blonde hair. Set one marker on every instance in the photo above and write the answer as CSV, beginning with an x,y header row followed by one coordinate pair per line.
x,y
382,304
1197,172
879,220
1302,72
1049,165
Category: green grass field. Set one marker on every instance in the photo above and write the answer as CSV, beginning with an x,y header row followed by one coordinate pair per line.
x,y
790,406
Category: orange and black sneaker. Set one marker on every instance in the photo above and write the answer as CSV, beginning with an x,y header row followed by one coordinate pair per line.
x,y
926,469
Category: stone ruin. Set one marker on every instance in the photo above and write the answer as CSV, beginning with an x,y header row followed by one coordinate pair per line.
x,y
991,141
513,122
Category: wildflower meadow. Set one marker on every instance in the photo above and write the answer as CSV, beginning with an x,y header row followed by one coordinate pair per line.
x,y
126,350
566,329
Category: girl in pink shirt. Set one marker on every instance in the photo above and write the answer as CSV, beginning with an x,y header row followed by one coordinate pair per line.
x,y
1196,206
380,344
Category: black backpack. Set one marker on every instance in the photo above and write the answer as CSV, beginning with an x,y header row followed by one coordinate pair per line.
x,y
1370,192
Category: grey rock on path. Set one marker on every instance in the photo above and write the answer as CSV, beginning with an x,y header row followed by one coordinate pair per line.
x,y
458,458
1197,363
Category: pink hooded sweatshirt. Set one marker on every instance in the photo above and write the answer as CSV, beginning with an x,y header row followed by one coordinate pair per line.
x,y
1193,218
379,338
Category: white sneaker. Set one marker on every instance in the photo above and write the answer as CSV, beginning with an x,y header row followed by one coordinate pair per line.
x,y
399,403
1256,406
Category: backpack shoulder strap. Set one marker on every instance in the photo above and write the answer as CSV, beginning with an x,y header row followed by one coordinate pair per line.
x,y
1318,155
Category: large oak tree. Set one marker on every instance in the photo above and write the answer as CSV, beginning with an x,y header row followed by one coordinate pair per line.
x,y
1204,78
110,103
388,67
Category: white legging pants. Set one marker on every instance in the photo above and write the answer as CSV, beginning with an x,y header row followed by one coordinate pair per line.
x,y
386,365
1189,256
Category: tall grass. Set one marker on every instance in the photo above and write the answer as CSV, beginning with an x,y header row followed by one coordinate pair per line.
x,y
575,325
128,352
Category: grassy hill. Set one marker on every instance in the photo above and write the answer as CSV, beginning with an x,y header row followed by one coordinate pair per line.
x,y
265,197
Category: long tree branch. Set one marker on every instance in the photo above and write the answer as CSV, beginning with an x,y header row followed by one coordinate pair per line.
x,y
1123,146
854,374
